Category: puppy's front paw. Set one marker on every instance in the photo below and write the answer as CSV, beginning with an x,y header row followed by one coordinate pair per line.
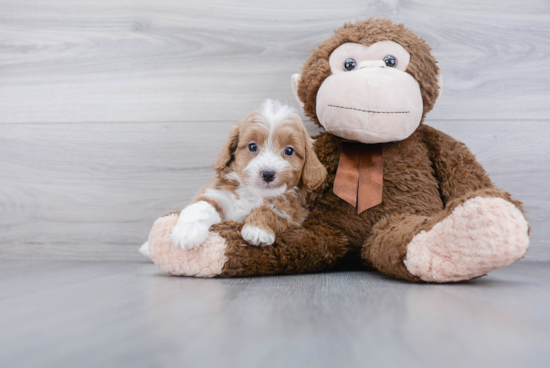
x,y
257,236
189,235
193,225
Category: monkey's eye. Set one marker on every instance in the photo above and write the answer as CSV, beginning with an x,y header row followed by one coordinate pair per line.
x,y
252,147
289,151
390,61
349,65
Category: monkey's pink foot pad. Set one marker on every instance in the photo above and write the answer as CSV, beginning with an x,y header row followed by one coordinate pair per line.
x,y
207,260
479,236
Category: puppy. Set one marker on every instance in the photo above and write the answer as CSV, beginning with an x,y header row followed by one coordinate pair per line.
x,y
262,176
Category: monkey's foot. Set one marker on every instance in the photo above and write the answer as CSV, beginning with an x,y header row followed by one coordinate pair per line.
x,y
206,260
479,236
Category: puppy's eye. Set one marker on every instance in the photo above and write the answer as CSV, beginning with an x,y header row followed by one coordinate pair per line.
x,y
390,61
252,147
349,65
289,151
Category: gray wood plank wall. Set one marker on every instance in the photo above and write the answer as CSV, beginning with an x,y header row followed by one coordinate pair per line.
x,y
111,113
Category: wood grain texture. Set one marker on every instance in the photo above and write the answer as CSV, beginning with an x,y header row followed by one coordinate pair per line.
x,y
83,190
130,61
124,314
92,191
111,112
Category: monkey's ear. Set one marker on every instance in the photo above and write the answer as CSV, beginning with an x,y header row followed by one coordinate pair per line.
x,y
226,154
295,80
313,173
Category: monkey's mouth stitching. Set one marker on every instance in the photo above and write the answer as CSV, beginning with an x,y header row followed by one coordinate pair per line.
x,y
370,111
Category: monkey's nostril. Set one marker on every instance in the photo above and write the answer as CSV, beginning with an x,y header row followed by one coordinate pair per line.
x,y
268,175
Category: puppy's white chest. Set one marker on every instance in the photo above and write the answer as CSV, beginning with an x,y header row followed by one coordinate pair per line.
x,y
245,202
242,209
237,206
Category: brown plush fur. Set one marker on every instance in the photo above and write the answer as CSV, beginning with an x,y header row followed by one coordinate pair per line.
x,y
425,177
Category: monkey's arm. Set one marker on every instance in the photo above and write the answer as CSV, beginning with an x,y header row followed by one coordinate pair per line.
x,y
313,247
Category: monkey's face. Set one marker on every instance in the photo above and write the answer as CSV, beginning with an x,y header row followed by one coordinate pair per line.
x,y
369,98
364,86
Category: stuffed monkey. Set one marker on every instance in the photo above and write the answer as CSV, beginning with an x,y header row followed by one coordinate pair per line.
x,y
399,196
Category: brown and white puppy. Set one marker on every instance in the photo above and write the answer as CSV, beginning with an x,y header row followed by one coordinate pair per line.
x,y
262,175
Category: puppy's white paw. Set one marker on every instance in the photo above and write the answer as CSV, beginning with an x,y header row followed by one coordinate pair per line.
x,y
257,236
189,235
193,225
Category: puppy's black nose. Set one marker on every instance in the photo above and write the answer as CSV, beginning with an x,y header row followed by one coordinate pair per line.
x,y
268,175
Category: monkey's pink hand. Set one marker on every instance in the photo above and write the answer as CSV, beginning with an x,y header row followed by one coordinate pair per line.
x,y
206,260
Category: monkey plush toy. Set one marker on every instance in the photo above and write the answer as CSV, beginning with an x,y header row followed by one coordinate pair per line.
x,y
400,197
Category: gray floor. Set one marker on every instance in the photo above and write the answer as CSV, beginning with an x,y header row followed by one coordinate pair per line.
x,y
92,314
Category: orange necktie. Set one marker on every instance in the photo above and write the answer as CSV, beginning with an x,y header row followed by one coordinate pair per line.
x,y
360,175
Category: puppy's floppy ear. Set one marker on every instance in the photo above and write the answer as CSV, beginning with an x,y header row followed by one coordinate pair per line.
x,y
313,173
226,154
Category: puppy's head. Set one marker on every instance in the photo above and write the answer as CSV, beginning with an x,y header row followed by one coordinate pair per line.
x,y
270,151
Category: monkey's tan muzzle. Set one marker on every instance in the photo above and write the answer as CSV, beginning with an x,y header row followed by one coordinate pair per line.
x,y
373,104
